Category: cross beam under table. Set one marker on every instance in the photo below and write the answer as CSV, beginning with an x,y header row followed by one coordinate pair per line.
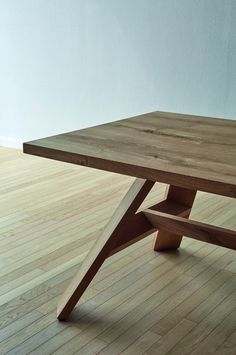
x,y
127,226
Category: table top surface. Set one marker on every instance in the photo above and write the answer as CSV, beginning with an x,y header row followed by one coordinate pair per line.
x,y
184,150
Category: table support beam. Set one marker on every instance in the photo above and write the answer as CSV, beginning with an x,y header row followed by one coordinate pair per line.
x,y
103,246
166,239
138,226
193,229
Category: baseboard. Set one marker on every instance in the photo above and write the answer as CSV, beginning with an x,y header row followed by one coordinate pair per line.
x,y
11,142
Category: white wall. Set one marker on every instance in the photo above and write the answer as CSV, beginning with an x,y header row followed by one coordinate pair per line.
x,y
68,64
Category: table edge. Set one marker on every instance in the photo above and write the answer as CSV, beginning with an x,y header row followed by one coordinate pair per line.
x,y
191,182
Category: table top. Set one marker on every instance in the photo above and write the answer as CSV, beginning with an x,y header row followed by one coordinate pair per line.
x,y
184,150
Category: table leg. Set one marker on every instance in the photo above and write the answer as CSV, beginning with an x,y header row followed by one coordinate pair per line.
x,y
103,246
168,240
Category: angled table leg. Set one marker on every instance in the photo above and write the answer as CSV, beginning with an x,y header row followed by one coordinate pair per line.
x,y
168,240
103,246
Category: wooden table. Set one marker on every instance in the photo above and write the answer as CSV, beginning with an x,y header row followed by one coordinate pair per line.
x,y
189,153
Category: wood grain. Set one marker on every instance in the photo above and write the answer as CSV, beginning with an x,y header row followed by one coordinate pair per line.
x,y
195,152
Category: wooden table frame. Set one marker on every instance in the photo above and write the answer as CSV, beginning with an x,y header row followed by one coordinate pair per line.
x,y
213,171
127,226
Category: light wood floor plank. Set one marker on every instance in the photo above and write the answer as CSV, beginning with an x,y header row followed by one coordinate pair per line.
x,y
190,343
169,340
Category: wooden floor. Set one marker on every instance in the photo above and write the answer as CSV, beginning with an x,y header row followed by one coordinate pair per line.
x,y
141,301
